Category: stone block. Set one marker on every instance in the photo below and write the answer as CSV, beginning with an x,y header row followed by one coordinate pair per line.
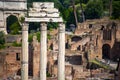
x,y
1,16
1,4
17,6
43,4
59,19
68,70
43,14
68,77
43,10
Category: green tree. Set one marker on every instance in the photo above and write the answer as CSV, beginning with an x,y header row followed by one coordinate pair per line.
x,y
116,10
75,14
94,9
15,28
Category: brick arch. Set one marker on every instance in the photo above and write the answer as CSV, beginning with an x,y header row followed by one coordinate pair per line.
x,y
106,50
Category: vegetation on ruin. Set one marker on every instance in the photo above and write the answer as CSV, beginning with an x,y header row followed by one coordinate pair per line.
x,y
2,40
13,26
15,44
37,34
30,38
105,66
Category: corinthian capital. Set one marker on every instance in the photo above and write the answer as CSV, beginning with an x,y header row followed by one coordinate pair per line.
x,y
25,26
43,26
61,27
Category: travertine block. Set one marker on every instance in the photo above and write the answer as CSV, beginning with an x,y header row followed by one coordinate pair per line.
x,y
43,4
18,6
59,19
43,10
1,4
43,14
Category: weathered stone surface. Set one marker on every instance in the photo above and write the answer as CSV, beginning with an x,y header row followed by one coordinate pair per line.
x,y
59,19
15,0
61,52
43,14
43,4
1,4
18,6
68,70
43,51
36,56
10,61
24,61
43,10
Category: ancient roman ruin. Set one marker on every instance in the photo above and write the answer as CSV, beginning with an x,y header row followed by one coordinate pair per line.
x,y
7,8
66,55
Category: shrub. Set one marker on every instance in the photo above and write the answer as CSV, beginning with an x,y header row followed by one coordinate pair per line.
x,y
2,40
17,44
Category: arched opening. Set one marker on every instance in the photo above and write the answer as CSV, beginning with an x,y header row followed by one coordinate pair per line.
x,y
76,38
13,26
106,51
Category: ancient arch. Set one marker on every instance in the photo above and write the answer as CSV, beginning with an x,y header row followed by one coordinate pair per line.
x,y
106,51
7,8
9,21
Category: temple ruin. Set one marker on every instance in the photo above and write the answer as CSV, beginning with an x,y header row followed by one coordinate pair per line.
x,y
43,12
67,55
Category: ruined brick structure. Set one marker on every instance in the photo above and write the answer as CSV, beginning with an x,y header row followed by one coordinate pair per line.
x,y
89,42
10,60
92,39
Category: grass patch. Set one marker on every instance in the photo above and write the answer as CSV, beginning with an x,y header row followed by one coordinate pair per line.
x,y
100,64
15,44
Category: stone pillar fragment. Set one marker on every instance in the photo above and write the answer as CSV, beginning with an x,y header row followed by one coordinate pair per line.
x,y
61,53
43,51
24,61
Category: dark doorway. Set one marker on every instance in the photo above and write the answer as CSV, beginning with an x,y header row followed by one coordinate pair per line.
x,y
76,38
18,56
74,60
106,51
13,26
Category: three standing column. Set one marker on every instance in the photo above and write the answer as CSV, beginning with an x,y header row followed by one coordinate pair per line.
x,y
43,51
24,61
61,52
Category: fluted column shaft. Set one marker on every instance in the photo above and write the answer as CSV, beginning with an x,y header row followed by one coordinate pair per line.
x,y
43,51
24,61
61,53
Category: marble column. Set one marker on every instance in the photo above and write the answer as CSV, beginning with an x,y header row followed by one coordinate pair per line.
x,y
61,52
24,60
43,51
